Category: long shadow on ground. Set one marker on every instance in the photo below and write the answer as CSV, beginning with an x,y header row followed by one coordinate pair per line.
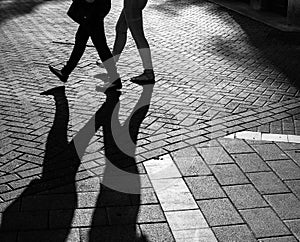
x,y
45,215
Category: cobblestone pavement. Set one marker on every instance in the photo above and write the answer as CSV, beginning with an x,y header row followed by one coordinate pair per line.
x,y
218,73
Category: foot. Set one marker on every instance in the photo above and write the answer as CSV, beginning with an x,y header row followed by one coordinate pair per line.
x,y
147,77
59,74
108,86
55,91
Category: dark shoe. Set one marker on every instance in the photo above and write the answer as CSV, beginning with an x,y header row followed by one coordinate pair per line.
x,y
146,78
55,91
108,86
59,74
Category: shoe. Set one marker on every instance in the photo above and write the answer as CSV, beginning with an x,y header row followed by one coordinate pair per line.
x,y
59,74
54,91
99,63
108,86
147,77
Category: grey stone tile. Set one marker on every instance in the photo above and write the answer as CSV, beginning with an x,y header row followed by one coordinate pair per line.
x,y
173,194
295,155
148,196
245,196
157,232
191,165
191,235
219,212
285,169
110,233
49,235
215,155
279,239
294,226
229,174
82,217
250,162
294,185
270,152
267,182
234,233
132,214
186,219
204,187
150,213
235,146
288,146
287,205
264,222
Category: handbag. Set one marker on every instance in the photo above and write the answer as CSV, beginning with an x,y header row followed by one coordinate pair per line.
x,y
78,11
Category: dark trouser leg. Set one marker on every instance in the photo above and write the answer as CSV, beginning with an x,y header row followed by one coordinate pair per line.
x,y
81,39
121,36
99,40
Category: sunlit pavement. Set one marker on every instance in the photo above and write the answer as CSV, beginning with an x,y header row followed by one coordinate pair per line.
x,y
201,178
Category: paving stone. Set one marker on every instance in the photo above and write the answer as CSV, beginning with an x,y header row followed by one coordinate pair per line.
x,y
190,163
267,183
234,233
157,232
219,212
250,162
285,169
148,196
294,185
248,135
234,146
161,168
215,155
295,155
294,226
287,206
229,174
111,233
245,196
173,194
21,221
44,202
275,137
185,220
204,187
79,218
288,146
279,239
50,235
190,235
264,222
269,152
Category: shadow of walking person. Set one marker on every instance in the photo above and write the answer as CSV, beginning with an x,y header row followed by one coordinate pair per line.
x,y
41,213
120,188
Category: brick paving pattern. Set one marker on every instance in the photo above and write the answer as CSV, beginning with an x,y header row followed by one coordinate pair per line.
x,y
218,73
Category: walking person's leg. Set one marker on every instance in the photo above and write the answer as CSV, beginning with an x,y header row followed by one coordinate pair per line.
x,y
99,40
121,36
120,39
134,18
81,39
